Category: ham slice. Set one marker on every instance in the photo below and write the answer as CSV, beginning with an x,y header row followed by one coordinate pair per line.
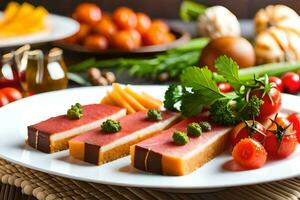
x,y
161,155
98,147
53,134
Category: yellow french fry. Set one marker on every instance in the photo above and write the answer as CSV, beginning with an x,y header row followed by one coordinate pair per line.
x,y
130,99
157,101
121,101
25,11
28,19
108,100
105,101
10,12
147,103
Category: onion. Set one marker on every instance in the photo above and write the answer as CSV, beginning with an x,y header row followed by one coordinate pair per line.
x,y
238,48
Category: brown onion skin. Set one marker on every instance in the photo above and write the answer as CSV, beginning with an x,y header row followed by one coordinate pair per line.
x,y
238,48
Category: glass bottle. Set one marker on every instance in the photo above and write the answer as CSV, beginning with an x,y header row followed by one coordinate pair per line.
x,y
11,68
45,73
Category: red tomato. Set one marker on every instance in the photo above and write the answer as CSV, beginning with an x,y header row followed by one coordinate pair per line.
x,y
105,27
294,118
286,147
3,100
277,81
225,87
271,105
248,129
291,82
143,22
249,154
280,141
155,37
125,18
96,42
11,94
127,40
160,25
88,13
170,37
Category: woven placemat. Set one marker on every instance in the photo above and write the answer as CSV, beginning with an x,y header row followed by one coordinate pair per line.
x,y
38,185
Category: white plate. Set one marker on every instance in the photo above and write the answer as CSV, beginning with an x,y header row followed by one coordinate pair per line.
x,y
15,117
58,27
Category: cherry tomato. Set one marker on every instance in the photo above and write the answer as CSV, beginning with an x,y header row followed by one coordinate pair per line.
x,y
3,100
294,118
106,16
280,141
170,37
249,154
81,34
137,38
160,25
291,82
143,22
105,27
225,87
283,122
88,13
248,129
127,40
125,18
155,36
271,105
96,42
11,94
277,81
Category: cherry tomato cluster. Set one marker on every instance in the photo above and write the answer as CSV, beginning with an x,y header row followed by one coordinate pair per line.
x,y
289,82
253,143
8,95
124,29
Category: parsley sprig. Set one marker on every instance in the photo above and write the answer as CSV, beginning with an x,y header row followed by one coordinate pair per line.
x,y
198,90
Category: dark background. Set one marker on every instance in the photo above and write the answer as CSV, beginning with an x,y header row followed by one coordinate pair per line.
x,y
161,8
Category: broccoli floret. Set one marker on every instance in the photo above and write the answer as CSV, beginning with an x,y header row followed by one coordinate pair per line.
x,y
223,113
173,97
249,109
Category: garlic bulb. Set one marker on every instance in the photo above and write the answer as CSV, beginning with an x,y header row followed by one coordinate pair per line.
x,y
218,21
277,34
277,45
279,16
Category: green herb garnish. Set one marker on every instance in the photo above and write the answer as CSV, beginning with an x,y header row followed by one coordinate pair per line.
x,y
111,126
154,115
180,138
190,10
75,112
199,90
205,126
204,91
171,63
223,113
194,129
173,97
